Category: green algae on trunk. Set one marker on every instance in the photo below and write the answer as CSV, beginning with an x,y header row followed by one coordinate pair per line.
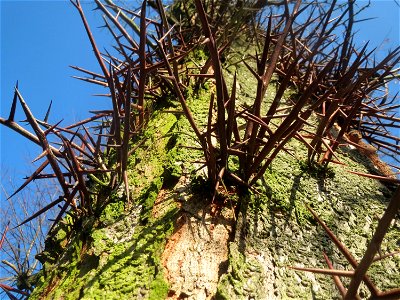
x,y
117,256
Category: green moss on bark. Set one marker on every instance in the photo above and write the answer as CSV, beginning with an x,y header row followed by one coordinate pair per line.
x,y
118,255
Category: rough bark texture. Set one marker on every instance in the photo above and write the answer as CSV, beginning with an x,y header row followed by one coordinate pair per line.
x,y
174,244
197,253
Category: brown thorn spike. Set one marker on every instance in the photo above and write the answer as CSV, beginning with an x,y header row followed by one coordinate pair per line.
x,y
372,288
41,211
332,272
30,178
142,58
381,230
46,117
44,143
13,105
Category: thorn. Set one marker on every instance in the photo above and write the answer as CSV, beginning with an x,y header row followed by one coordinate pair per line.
x,y
48,112
50,129
14,104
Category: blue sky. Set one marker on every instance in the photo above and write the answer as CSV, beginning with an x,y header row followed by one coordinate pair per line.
x,y
383,31
40,39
